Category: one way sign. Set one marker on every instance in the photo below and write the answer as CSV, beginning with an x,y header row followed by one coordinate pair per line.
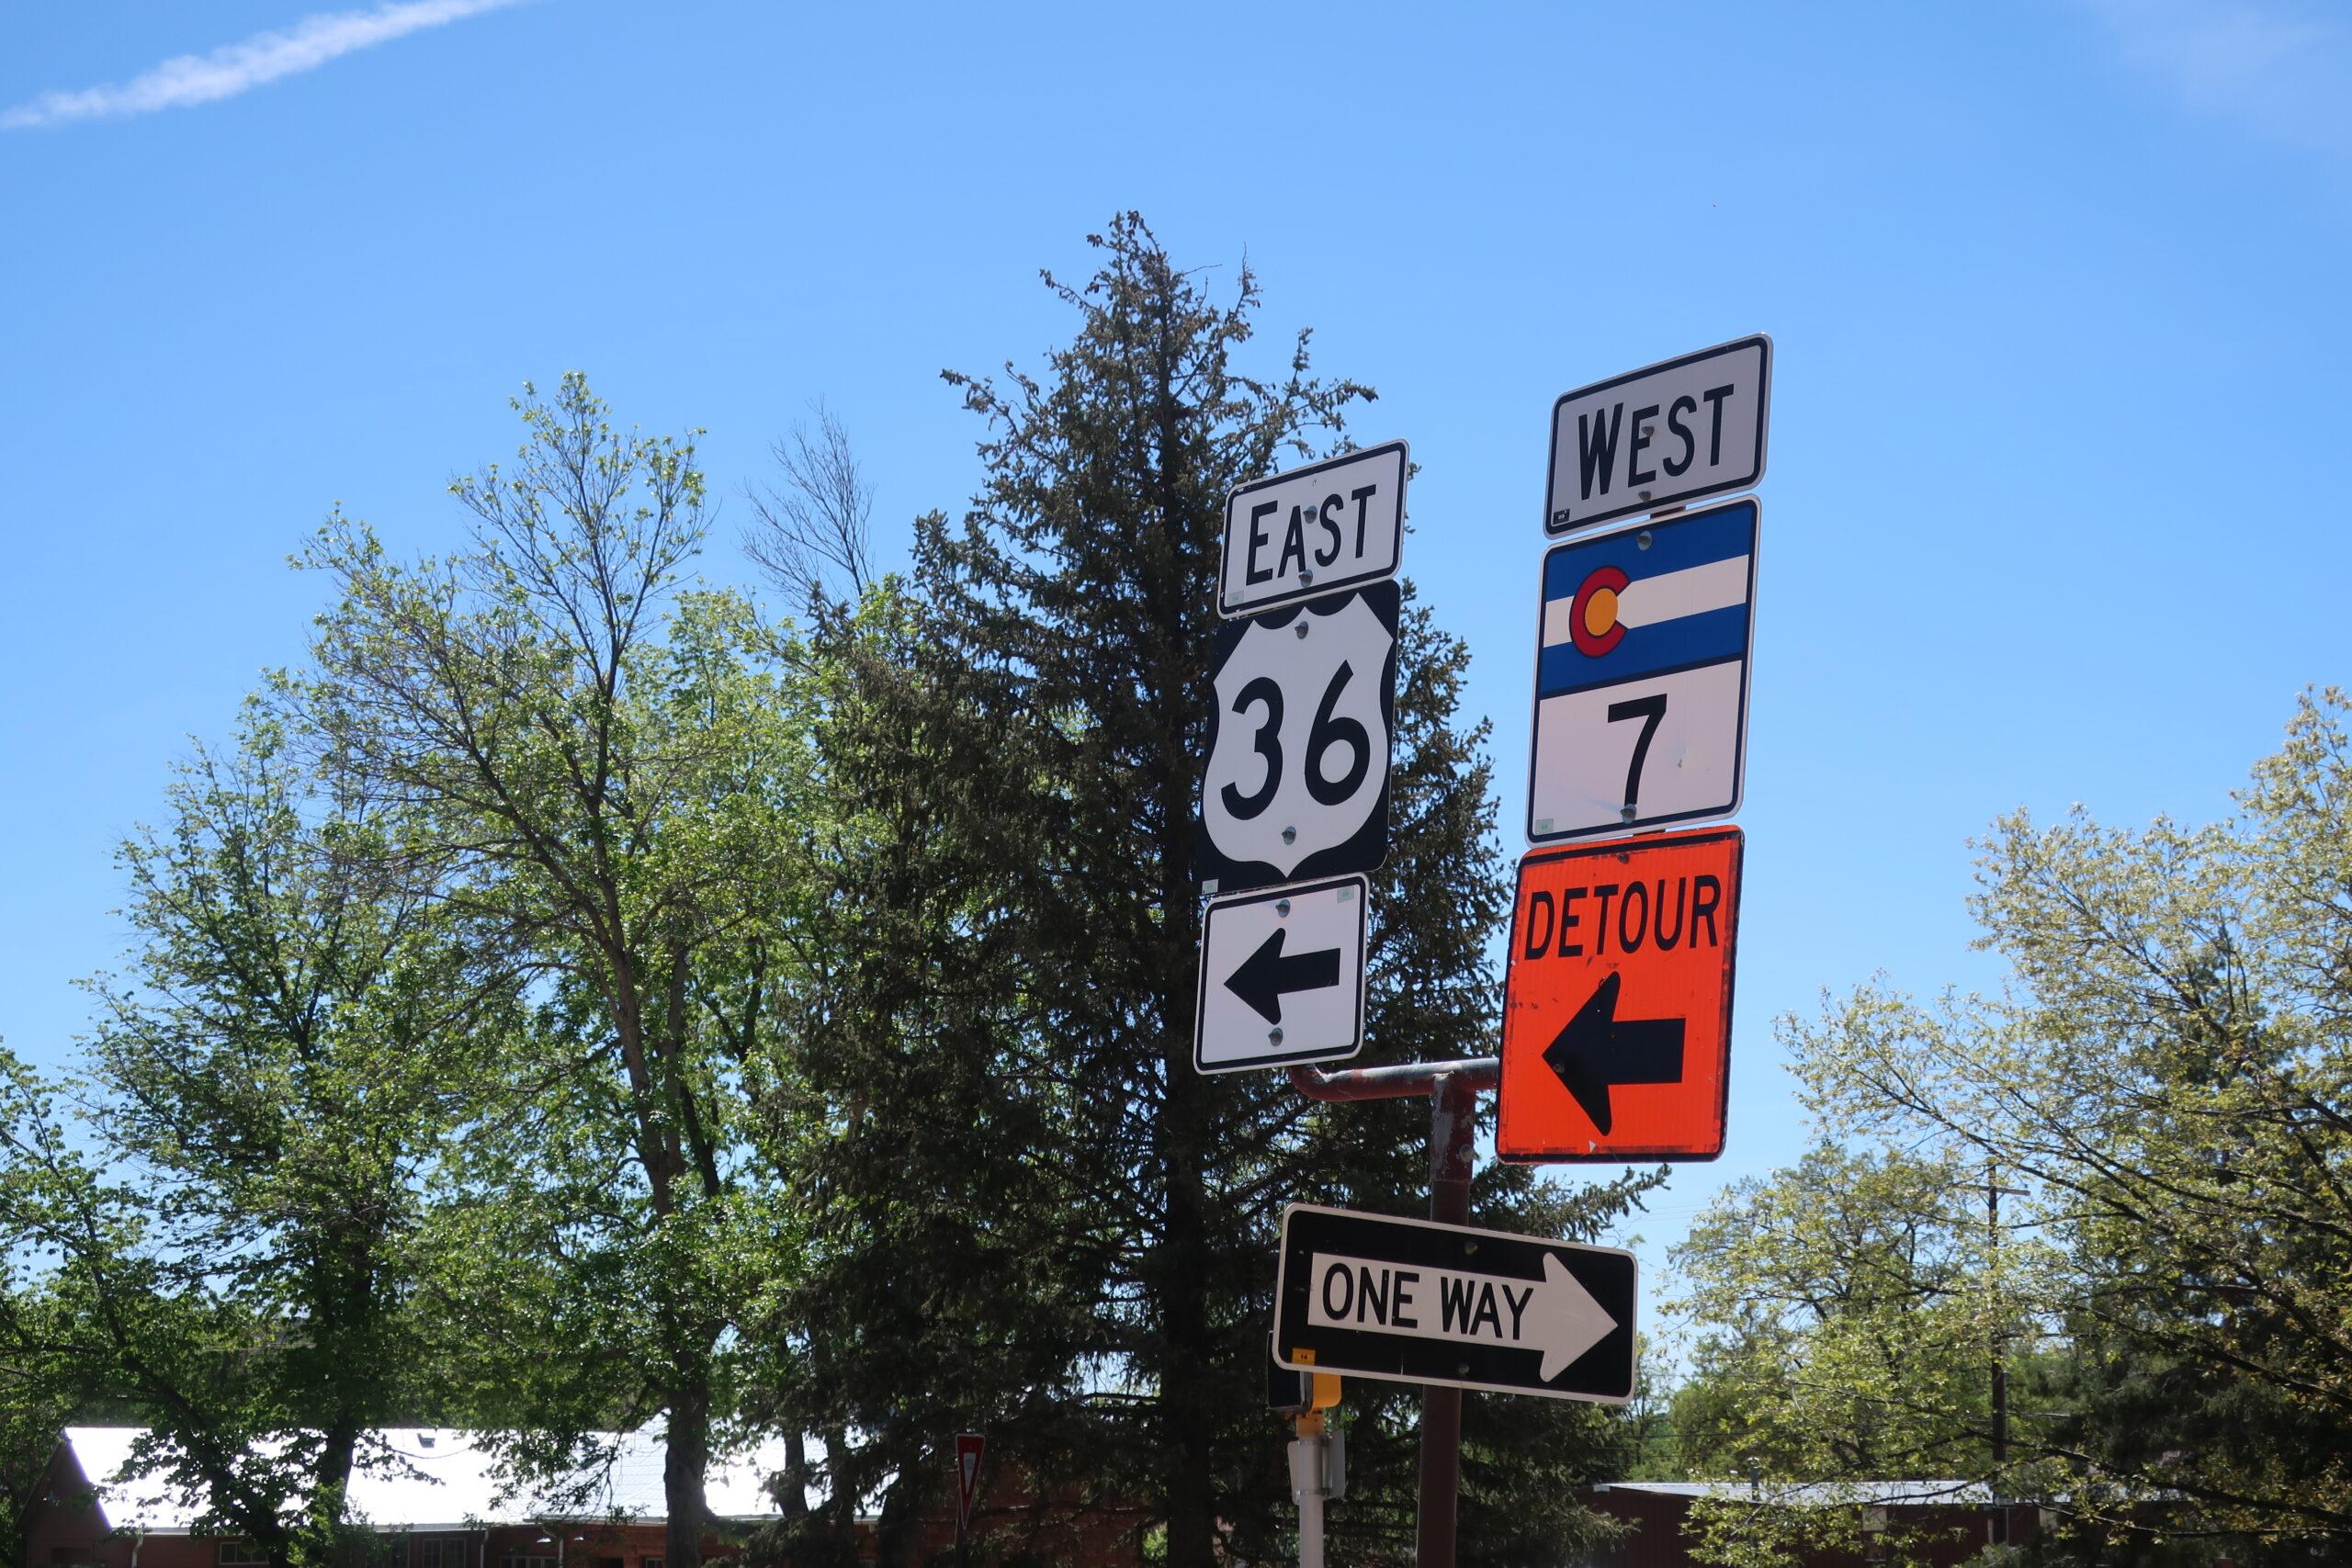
x,y
1413,1300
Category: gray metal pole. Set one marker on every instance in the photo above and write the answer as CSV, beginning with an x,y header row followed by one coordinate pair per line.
x,y
1307,1485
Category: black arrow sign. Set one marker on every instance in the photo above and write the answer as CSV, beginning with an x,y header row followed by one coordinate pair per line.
x,y
1596,1050
1266,977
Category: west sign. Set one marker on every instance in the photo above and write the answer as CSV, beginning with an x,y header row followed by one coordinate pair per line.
x,y
1617,1002
1661,435
1413,1300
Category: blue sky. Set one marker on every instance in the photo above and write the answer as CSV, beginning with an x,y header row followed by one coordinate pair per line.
x,y
2055,506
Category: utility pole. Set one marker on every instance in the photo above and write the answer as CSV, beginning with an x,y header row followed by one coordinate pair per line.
x,y
1999,1533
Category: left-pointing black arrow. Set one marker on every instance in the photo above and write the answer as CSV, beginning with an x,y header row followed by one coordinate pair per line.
x,y
1596,1050
1266,977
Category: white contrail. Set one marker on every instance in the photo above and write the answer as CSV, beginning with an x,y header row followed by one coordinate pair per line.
x,y
233,68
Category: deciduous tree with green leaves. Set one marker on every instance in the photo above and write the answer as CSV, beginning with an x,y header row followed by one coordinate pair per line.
x,y
235,1256
606,773
2163,1094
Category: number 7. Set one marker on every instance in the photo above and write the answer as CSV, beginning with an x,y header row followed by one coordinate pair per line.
x,y
1649,710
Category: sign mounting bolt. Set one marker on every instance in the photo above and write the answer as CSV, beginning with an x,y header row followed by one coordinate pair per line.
x,y
1289,835
1307,574
1282,907
1301,628
1642,540
1274,1035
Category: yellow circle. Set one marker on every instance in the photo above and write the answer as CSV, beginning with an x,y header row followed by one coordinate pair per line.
x,y
1600,612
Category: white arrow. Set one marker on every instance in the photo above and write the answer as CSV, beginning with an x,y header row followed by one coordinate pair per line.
x,y
1554,1315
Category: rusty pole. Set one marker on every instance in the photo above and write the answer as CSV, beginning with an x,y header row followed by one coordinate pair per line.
x,y
1452,1089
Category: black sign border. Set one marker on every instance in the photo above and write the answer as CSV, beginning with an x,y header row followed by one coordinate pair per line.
x,y
1363,885
1746,680
1368,846
1338,585
1291,1306
1754,477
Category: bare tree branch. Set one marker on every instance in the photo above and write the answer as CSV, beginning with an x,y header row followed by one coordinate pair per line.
x,y
817,525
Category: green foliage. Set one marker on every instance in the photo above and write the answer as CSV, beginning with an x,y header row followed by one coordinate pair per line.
x,y
269,1084
607,776
1839,1329
1031,1214
40,1388
2162,1095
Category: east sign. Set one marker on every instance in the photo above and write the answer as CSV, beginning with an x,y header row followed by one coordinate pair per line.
x,y
1616,1039
1313,531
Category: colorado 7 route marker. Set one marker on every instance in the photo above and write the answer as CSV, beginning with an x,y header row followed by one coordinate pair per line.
x,y
1642,656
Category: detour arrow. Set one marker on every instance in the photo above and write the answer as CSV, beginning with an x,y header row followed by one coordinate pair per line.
x,y
1597,1049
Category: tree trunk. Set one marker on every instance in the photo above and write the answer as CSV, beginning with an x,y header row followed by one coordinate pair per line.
x,y
684,1459
1189,1424
793,1499
332,1474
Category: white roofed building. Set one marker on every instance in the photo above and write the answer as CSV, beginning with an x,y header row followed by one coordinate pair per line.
x,y
440,1486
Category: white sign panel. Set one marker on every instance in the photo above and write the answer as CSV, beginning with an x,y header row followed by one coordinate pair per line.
x,y
1282,977
1641,676
1296,785
1660,436
1312,531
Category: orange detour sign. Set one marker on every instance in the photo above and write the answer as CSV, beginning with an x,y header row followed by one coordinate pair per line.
x,y
1617,1007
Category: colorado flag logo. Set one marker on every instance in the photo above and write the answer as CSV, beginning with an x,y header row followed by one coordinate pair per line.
x,y
1641,676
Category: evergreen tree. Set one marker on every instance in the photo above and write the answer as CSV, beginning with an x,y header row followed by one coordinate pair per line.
x,y
1027,1182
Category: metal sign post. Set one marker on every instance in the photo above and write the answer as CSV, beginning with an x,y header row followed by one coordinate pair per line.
x,y
1452,1089
969,1447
